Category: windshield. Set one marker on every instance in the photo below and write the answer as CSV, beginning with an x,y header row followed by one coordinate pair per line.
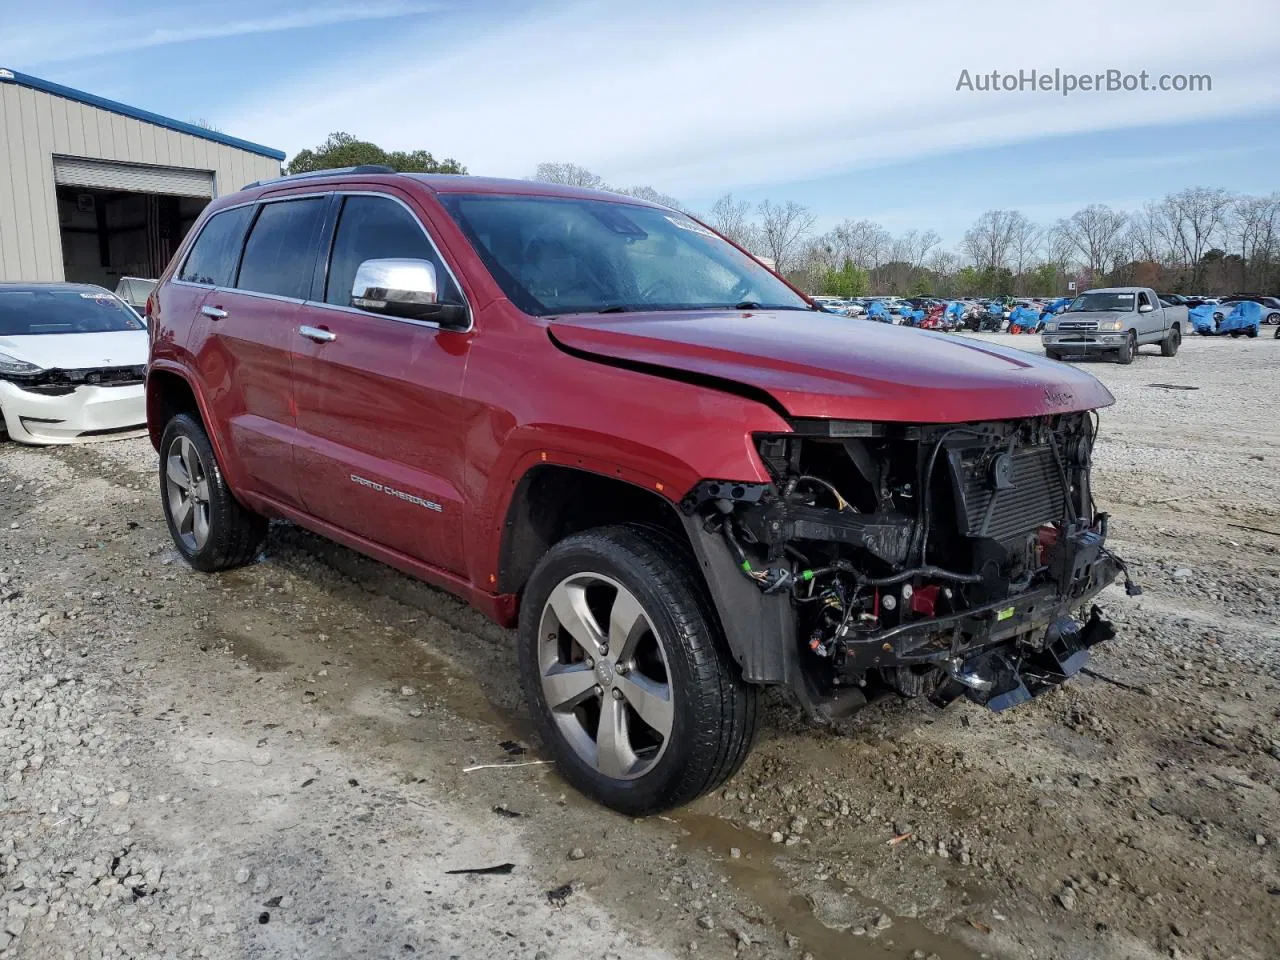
x,y
555,255
30,312
1102,303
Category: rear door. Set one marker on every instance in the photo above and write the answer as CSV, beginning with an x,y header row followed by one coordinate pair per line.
x,y
380,446
248,324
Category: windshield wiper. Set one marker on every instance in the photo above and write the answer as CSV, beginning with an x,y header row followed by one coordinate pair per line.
x,y
614,308
747,305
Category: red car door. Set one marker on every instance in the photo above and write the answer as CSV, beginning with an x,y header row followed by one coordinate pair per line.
x,y
379,449
242,334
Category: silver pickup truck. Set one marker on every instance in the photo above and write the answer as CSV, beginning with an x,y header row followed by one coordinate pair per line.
x,y
1114,320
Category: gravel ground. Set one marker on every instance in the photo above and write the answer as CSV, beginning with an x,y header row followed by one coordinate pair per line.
x,y
276,762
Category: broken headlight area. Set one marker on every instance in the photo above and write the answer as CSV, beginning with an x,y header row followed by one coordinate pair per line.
x,y
57,382
930,560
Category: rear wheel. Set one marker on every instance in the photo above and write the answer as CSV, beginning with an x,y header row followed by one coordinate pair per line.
x,y
209,526
1127,352
1273,318
627,674
1172,340
1251,332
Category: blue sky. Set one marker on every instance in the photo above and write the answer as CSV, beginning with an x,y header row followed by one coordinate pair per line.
x,y
848,106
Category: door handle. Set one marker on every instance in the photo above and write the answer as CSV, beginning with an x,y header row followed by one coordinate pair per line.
x,y
213,313
317,334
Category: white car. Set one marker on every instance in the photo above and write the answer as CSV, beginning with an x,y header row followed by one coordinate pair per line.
x,y
73,364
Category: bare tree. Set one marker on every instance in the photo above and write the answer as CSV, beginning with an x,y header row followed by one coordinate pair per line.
x,y
988,242
1058,248
652,195
943,262
920,245
569,174
732,218
862,242
1190,221
1023,245
782,228
1254,229
1095,233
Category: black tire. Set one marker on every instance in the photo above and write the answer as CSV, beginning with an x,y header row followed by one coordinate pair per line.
x,y
714,712
1053,354
1277,333
1235,334
1273,318
235,534
1251,332
1125,355
1172,340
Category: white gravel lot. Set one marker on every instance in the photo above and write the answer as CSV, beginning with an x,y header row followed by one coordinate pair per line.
x,y
270,763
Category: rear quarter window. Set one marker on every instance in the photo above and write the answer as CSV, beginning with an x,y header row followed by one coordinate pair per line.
x,y
213,256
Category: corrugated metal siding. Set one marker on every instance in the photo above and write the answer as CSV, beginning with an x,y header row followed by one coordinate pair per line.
x,y
35,125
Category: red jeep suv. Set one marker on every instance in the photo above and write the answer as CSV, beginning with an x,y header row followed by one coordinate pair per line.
x,y
594,417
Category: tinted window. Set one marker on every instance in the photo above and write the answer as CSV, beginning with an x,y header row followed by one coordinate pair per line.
x,y
375,228
280,253
214,254
31,312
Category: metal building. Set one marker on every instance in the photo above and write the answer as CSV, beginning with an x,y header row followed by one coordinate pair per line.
x,y
92,190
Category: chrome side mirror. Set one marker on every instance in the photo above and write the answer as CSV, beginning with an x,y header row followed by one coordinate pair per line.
x,y
404,288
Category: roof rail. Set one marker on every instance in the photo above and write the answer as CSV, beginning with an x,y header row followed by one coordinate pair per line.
x,y
361,168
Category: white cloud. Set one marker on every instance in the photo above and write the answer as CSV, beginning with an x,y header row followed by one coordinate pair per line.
x,y
694,96
36,41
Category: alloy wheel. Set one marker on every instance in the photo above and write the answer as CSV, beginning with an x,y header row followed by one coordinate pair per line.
x,y
187,490
604,675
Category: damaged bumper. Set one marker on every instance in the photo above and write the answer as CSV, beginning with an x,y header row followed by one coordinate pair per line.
x,y
59,414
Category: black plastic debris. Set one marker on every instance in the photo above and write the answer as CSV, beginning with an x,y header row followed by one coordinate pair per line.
x,y
512,748
560,894
264,917
503,810
1171,386
273,902
500,869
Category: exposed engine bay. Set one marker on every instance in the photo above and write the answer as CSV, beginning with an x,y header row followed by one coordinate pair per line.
x,y
933,560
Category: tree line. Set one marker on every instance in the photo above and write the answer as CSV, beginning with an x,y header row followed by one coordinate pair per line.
x,y
1199,240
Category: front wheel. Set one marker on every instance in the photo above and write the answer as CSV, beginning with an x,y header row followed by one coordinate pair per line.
x,y
627,673
1172,340
1251,332
209,526
1126,353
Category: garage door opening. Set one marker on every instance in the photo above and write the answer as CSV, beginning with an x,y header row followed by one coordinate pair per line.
x,y
124,220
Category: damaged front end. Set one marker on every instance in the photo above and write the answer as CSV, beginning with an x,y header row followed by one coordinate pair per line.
x,y
930,560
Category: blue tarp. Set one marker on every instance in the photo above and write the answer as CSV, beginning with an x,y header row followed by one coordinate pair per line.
x,y
1202,318
916,316
1026,317
995,308
877,311
955,309
1057,305
1245,315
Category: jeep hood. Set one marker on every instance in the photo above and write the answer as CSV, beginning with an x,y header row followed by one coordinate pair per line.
x,y
821,365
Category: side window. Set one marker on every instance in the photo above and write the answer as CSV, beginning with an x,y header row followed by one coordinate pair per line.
x,y
281,251
1143,299
213,256
376,228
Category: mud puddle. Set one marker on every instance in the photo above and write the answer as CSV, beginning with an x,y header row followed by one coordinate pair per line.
x,y
756,875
